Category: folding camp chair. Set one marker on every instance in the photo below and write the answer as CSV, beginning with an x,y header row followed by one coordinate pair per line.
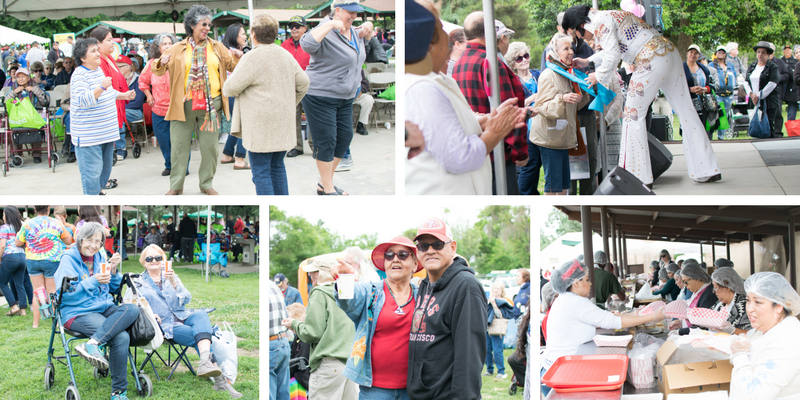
x,y
218,258
178,349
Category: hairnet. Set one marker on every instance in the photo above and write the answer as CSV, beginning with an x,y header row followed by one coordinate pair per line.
x,y
662,274
695,271
672,267
723,262
600,257
579,257
774,287
548,295
568,273
654,264
727,277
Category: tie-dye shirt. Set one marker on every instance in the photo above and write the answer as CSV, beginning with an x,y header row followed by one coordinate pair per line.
x,y
7,233
43,238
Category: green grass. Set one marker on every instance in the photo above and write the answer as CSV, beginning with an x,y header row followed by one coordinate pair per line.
x,y
497,389
24,349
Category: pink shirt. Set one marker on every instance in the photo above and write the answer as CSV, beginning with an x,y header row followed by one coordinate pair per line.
x,y
158,86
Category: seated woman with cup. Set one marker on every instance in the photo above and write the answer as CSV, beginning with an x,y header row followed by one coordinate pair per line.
x,y
386,325
88,307
168,298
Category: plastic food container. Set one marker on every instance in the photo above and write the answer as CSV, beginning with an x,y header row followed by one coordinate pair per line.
x,y
587,372
676,309
707,318
612,341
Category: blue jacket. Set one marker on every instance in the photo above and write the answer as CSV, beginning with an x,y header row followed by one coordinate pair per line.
x,y
168,302
522,299
505,308
138,102
88,295
364,309
732,86
292,296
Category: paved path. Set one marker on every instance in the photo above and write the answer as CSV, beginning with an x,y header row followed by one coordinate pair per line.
x,y
373,173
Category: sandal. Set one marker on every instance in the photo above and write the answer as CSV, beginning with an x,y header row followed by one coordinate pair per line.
x,y
321,190
231,161
112,183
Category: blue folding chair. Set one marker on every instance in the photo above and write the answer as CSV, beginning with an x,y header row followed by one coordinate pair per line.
x,y
217,258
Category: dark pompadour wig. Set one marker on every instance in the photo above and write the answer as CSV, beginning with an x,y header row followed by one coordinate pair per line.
x,y
575,16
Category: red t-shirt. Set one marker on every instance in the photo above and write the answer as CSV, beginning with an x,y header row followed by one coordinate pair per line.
x,y
390,344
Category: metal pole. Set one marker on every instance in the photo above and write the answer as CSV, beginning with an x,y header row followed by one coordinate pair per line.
x,y
702,256
752,253
713,252
494,99
624,250
120,232
728,246
208,241
250,9
586,224
792,254
604,227
614,243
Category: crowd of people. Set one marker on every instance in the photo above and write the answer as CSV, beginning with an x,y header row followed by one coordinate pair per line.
x,y
399,336
39,252
544,110
761,312
191,87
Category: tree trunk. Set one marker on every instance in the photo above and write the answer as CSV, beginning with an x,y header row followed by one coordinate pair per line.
x,y
683,40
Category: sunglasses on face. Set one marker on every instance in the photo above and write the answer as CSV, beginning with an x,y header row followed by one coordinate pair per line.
x,y
206,25
423,247
295,26
151,259
38,70
525,56
401,255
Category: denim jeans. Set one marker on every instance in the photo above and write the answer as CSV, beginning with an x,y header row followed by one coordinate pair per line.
x,y
279,369
39,267
12,270
791,110
376,393
234,144
194,329
161,130
494,349
330,122
26,282
109,328
545,389
122,251
94,164
130,115
269,173
528,179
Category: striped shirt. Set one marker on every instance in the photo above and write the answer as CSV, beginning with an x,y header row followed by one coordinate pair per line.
x,y
92,121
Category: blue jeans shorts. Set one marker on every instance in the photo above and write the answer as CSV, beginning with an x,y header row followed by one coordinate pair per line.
x,y
39,267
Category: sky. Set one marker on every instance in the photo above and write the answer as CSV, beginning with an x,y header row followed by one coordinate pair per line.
x,y
354,219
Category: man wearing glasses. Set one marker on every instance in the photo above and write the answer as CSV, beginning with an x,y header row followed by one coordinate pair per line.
x,y
297,25
447,347
63,77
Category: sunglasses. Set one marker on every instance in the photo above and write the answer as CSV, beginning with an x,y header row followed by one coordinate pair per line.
x,y
151,259
525,56
401,255
423,247
295,26
206,25
39,70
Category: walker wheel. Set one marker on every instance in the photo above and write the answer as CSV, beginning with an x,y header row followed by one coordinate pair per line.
x,y
137,150
512,390
5,169
99,373
146,386
54,161
49,376
16,161
72,393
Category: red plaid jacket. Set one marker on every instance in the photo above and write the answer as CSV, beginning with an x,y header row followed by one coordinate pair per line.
x,y
472,74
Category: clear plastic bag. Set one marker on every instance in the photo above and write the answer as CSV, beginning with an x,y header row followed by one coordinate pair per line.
x,y
641,363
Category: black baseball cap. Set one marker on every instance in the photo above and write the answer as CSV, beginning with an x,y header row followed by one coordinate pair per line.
x,y
297,20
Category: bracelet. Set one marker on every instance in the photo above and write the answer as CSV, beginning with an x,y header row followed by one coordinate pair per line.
x,y
104,89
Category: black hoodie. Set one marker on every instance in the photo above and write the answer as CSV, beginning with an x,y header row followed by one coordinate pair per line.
x,y
447,347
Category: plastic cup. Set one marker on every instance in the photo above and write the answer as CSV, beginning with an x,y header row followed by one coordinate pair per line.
x,y
41,294
167,266
103,268
155,141
346,285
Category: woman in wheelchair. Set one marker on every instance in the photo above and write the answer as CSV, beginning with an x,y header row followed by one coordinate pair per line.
x,y
168,298
89,308
22,88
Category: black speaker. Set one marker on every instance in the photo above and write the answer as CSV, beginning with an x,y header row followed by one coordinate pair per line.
x,y
660,156
653,13
660,128
621,182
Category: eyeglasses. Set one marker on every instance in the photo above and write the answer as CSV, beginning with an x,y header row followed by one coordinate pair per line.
x,y
525,56
401,255
423,247
97,243
38,70
206,25
151,259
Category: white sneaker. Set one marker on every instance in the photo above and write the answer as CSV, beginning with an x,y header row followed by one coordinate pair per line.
x,y
502,376
345,165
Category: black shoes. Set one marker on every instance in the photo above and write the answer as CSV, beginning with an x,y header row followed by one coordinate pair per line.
x,y
37,160
361,129
294,153
165,172
71,158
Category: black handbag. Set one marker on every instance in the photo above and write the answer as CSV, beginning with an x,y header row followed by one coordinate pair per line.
x,y
141,331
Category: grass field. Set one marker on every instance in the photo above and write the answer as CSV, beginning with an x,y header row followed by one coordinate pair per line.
x,y
23,350
497,389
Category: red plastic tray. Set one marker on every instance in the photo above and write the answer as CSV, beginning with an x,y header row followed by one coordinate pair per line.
x,y
587,371
588,389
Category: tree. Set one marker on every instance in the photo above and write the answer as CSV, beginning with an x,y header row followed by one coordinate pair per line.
x,y
511,12
562,224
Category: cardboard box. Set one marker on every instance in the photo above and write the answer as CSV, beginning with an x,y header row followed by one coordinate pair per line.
x,y
698,377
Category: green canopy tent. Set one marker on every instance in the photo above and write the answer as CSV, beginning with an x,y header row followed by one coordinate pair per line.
x,y
205,214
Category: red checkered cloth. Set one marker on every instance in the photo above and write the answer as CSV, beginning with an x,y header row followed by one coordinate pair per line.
x,y
707,318
472,74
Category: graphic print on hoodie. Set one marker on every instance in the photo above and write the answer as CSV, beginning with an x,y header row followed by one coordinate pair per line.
x,y
447,345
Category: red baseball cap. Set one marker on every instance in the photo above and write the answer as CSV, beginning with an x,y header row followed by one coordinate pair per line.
x,y
124,60
377,253
436,228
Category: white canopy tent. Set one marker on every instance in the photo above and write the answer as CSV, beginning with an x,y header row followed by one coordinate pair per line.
x,y
12,36
449,27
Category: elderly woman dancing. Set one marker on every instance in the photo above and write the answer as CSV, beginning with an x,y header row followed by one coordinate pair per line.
x,y
198,68
168,298
656,65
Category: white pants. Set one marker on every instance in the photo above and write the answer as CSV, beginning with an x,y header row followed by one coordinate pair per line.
x,y
366,102
667,74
